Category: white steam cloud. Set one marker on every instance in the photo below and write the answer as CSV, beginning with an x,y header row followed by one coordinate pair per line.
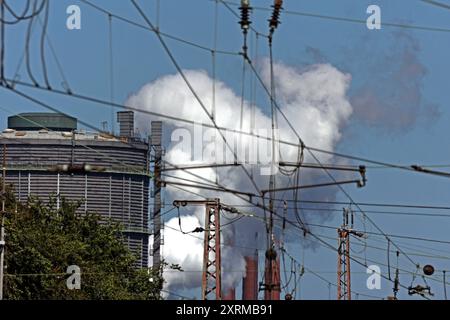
x,y
313,99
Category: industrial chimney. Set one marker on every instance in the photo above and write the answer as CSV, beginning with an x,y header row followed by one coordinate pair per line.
x,y
230,294
250,281
272,278
126,121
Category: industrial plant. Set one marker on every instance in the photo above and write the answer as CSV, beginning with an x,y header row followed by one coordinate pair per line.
x,y
224,150
45,156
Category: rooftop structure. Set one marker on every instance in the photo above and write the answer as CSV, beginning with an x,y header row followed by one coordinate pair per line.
x,y
37,145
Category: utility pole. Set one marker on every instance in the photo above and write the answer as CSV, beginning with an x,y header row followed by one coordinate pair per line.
x,y
344,291
211,252
2,228
212,261
156,141
271,286
343,273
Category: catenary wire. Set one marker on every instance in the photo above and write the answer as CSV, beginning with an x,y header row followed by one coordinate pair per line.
x,y
189,85
353,20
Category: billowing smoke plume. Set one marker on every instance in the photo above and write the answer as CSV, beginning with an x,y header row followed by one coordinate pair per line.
x,y
314,100
390,97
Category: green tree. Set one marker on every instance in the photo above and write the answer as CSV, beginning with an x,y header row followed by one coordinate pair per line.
x,y
42,241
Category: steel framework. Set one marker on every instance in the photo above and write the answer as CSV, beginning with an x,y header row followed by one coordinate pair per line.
x,y
211,276
344,291
343,273
211,279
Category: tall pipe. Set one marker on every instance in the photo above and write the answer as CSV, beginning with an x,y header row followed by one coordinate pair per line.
x,y
276,277
250,281
272,279
230,294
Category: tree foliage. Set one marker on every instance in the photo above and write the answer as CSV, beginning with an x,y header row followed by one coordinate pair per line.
x,y
42,241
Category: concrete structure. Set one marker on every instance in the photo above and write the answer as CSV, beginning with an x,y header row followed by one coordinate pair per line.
x,y
118,188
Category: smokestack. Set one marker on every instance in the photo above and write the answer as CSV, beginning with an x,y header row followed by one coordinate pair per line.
x,y
126,121
276,278
272,277
250,281
230,294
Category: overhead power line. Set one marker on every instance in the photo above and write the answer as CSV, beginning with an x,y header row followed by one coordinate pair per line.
x,y
194,122
382,164
164,34
386,235
317,275
316,225
414,250
123,164
25,15
371,204
300,227
189,85
274,103
91,99
436,3
316,159
394,213
216,127
358,21
320,240
375,233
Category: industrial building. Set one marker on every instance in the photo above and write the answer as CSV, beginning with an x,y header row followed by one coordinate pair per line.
x,y
45,154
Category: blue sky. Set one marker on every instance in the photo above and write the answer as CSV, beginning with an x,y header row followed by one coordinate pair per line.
x,y
371,57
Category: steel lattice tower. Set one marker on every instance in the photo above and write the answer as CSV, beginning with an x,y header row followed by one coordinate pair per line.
x,y
211,279
343,272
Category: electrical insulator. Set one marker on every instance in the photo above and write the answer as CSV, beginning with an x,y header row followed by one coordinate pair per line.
x,y
245,14
198,230
396,280
275,19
